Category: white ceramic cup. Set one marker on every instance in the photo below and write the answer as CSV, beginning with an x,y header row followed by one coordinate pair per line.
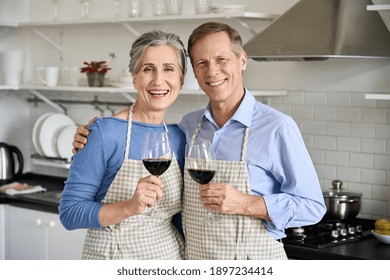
x,y
48,75
202,6
135,8
12,67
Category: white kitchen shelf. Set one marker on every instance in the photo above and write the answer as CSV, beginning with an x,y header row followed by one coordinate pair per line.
x,y
68,88
154,19
268,93
8,24
124,91
51,162
121,90
384,7
378,96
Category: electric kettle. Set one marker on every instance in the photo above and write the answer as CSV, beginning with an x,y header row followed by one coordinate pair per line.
x,y
7,163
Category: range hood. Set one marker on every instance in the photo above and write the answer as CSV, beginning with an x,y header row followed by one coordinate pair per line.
x,y
322,29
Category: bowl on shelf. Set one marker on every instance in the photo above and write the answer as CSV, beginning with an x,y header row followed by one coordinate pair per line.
x,y
381,237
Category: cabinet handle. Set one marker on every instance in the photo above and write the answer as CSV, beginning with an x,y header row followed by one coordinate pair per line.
x,y
52,224
38,222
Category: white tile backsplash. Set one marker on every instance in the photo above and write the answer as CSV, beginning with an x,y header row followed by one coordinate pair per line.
x,y
373,176
375,208
338,128
339,99
374,146
349,144
359,100
326,171
349,114
349,140
302,112
364,189
382,131
325,142
361,160
349,174
382,162
315,98
336,158
325,113
374,115
314,127
380,192
362,130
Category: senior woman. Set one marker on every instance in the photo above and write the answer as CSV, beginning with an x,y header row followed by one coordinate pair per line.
x,y
108,189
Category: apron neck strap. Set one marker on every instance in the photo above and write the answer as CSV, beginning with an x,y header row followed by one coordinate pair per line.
x,y
130,121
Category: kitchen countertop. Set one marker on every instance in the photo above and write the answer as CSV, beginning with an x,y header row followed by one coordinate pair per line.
x,y
368,248
45,201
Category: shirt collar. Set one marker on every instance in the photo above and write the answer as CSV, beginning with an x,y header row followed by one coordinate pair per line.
x,y
243,114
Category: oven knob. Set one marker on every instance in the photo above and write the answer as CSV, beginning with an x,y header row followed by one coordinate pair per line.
x,y
343,232
334,234
359,228
351,231
298,231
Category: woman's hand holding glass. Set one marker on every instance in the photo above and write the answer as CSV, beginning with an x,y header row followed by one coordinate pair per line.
x,y
149,190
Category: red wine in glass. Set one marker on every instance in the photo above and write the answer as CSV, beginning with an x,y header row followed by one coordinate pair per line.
x,y
156,166
201,176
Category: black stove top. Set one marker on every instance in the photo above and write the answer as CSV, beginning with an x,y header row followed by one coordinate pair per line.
x,y
329,233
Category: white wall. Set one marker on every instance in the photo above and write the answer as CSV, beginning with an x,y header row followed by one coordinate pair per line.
x,y
347,136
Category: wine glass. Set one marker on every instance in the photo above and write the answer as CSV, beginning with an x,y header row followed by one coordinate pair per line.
x,y
156,155
55,9
117,5
85,9
201,167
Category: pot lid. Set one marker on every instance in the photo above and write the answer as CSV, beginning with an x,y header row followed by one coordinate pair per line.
x,y
337,191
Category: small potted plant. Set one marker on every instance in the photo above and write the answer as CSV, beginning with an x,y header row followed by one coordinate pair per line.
x,y
96,71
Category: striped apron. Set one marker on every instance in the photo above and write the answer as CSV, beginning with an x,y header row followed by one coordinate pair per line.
x,y
141,236
234,236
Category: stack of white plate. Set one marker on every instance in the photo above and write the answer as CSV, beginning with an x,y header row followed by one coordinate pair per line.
x,y
53,135
227,8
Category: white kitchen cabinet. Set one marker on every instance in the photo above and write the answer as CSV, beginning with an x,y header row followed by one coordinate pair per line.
x,y
37,235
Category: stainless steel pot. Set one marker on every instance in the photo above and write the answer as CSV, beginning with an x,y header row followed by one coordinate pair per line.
x,y
341,205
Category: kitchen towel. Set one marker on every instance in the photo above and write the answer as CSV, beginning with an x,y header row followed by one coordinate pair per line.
x,y
19,188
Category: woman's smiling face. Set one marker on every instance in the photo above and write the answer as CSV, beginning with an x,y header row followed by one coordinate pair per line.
x,y
159,80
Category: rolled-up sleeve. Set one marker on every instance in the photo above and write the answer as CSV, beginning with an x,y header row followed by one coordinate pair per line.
x,y
300,201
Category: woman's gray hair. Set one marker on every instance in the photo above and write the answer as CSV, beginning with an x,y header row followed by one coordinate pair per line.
x,y
156,38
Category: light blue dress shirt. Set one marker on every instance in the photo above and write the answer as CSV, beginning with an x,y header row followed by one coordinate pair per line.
x,y
279,165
